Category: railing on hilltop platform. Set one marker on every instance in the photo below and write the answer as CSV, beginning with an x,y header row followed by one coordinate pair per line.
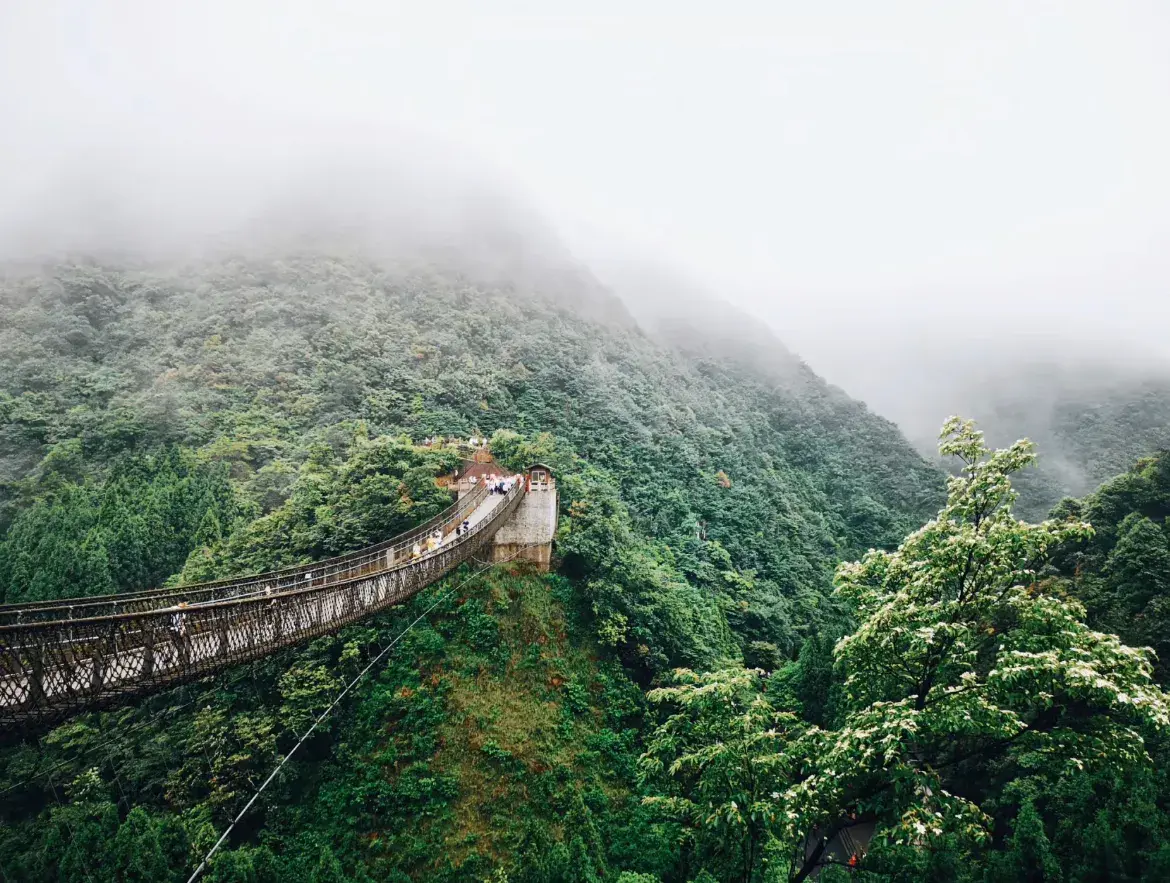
x,y
52,668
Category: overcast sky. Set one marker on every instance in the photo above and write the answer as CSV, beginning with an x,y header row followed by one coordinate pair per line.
x,y
843,170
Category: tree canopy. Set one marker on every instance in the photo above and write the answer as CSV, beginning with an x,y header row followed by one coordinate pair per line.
x,y
966,680
954,704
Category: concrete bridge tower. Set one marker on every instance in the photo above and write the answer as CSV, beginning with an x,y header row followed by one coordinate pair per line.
x,y
528,534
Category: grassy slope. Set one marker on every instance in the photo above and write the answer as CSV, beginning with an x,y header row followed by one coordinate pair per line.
x,y
507,725
483,740
534,709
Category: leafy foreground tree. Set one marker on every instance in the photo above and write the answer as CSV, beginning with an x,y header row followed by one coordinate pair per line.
x,y
966,679
725,749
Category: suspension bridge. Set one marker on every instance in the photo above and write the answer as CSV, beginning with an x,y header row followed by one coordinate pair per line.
x,y
60,657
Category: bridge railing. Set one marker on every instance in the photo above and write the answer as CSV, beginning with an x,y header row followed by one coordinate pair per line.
x,y
345,566
49,670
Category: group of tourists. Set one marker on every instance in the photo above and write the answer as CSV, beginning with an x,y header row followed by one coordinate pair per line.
x,y
433,540
496,484
476,441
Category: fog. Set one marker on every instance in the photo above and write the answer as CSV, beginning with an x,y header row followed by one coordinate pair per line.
x,y
913,196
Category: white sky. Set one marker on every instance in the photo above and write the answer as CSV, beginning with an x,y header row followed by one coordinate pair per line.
x,y
856,173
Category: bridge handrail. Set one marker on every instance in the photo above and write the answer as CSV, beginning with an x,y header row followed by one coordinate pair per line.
x,y
259,598
51,669
420,529
205,592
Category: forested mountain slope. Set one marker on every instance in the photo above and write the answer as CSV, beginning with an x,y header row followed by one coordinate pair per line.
x,y
184,422
246,365
1090,421
1122,573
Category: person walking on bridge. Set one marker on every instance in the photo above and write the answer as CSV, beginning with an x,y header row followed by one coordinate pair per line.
x,y
178,620
179,632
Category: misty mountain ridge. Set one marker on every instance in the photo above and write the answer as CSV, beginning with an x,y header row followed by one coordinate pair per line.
x,y
251,361
417,207
1092,416
406,213
408,205
374,212
1090,420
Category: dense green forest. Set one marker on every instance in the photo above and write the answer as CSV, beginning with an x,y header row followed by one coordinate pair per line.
x,y
696,693
1090,416
1090,423
1122,573
738,494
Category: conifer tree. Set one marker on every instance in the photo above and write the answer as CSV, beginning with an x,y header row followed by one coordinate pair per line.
x,y
138,855
328,868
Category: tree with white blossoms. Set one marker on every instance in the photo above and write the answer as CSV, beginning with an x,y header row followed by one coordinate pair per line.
x,y
963,662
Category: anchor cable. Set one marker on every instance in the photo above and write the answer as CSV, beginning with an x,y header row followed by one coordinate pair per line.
x,y
203,864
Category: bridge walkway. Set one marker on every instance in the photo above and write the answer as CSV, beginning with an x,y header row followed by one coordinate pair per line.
x,y
65,656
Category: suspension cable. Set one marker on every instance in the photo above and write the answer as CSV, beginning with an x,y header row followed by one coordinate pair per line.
x,y
223,837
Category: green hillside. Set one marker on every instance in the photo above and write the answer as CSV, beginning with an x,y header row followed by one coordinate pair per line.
x,y
259,370
694,690
490,738
1090,422
184,423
